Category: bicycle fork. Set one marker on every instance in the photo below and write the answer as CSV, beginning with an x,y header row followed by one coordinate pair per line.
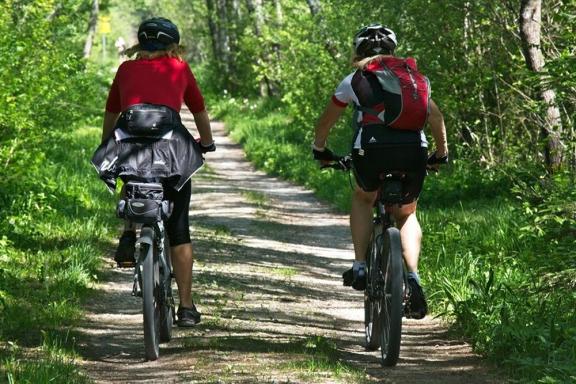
x,y
137,285
166,275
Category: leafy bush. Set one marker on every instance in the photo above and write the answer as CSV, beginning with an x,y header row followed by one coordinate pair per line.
x,y
53,223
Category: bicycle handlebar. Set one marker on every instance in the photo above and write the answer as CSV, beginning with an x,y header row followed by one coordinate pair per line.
x,y
433,159
344,163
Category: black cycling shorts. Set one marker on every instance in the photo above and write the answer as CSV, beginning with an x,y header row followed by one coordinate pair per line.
x,y
409,159
178,224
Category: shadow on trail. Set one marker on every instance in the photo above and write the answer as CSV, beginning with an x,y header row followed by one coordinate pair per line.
x,y
288,234
229,255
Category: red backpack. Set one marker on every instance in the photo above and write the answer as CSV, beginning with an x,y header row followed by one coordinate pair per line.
x,y
404,97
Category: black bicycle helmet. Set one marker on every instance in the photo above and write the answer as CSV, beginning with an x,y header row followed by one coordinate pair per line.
x,y
157,34
374,39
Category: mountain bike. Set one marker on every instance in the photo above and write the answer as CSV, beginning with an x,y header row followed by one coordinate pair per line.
x,y
387,293
385,296
144,204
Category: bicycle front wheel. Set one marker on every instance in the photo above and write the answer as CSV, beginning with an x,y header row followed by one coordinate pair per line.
x,y
167,301
392,310
149,277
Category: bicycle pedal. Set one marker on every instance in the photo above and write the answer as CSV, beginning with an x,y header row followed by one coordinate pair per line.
x,y
125,264
136,291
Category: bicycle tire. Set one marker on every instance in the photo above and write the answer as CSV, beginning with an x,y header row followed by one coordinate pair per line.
x,y
167,302
149,270
373,292
392,311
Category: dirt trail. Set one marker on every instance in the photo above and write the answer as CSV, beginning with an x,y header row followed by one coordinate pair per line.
x,y
267,281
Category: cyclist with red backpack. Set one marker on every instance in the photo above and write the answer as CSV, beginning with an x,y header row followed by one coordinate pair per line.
x,y
392,103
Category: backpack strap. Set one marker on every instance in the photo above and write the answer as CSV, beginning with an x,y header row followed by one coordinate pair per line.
x,y
367,110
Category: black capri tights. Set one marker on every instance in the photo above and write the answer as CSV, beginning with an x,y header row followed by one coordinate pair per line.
x,y
178,225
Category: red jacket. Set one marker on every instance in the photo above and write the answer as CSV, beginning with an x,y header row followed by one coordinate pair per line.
x,y
162,80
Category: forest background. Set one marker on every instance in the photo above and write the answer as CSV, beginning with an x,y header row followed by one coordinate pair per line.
x,y
499,257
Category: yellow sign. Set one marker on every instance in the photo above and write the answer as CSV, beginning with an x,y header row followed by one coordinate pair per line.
x,y
104,25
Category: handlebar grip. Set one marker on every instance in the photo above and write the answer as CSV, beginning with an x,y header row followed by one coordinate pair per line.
x,y
342,163
325,155
433,159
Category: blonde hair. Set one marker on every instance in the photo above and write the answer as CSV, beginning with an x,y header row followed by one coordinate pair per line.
x,y
361,62
172,50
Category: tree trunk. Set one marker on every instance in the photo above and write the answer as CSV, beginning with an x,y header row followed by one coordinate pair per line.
x,y
279,13
278,22
213,30
91,29
54,12
314,6
217,25
315,10
255,7
223,36
530,29
233,25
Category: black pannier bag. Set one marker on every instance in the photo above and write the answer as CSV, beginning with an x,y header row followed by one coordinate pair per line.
x,y
144,203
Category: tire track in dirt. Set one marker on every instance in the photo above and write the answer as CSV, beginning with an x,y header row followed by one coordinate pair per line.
x,y
267,281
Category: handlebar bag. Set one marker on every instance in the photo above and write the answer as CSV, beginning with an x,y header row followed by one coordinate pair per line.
x,y
144,203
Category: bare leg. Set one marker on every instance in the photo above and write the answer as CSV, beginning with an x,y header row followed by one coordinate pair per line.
x,y
410,234
183,260
361,221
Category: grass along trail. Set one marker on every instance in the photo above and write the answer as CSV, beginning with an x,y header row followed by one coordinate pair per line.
x,y
268,283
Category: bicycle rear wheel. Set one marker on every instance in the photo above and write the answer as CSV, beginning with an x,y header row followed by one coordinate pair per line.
x,y
393,291
373,294
167,302
150,281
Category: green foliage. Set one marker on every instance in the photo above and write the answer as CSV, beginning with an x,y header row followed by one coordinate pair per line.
x,y
53,225
51,363
471,52
56,228
505,277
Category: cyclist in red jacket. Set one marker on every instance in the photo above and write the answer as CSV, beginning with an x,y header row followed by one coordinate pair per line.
x,y
159,76
397,149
